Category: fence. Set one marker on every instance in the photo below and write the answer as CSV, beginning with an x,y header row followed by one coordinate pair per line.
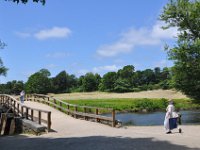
x,y
26,112
75,110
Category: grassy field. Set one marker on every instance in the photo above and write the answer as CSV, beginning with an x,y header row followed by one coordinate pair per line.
x,y
132,102
138,104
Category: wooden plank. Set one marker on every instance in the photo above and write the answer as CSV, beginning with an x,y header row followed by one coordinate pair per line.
x,y
12,127
3,123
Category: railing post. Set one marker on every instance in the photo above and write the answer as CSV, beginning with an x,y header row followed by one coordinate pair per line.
x,y
75,109
97,112
60,106
48,100
14,107
18,108
22,111
31,114
49,121
27,112
68,109
84,108
54,103
39,117
113,118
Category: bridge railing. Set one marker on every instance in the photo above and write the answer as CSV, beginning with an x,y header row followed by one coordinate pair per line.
x,y
75,110
25,111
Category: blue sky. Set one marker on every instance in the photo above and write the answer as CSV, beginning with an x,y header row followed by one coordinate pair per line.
x,y
82,36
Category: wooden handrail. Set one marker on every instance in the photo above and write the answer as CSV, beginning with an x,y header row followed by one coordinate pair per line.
x,y
25,111
65,107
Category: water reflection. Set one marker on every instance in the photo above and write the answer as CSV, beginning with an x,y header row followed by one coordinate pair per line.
x,y
156,118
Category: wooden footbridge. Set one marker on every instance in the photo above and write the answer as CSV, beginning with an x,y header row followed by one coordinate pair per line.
x,y
44,117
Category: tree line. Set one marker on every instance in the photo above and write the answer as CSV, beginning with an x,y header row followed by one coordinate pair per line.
x,y
123,80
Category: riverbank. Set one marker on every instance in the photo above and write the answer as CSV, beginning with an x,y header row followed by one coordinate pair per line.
x,y
137,104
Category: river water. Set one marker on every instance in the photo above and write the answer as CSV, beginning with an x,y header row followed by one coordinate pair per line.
x,y
156,118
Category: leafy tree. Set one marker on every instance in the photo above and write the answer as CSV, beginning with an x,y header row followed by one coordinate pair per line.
x,y
126,73
73,82
26,1
157,72
122,85
90,82
39,82
61,82
17,86
12,87
108,81
148,76
185,14
3,69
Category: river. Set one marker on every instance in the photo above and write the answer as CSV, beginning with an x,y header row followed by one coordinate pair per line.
x,y
156,118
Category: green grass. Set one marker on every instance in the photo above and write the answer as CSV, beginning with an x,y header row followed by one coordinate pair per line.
x,y
134,105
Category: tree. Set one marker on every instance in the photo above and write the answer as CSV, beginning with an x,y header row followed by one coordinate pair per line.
x,y
122,85
61,82
39,82
185,14
90,82
12,87
26,1
108,81
126,73
3,69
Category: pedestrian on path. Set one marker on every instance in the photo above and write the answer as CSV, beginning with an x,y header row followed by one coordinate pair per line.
x,y
22,94
169,114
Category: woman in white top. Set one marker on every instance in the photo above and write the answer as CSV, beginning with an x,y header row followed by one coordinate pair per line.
x,y
22,94
169,114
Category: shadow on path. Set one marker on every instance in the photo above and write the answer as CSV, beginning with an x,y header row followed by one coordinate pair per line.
x,y
86,143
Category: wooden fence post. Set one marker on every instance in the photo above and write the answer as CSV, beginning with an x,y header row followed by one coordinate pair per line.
x,y
97,112
39,117
75,109
84,108
68,109
27,112
49,121
31,114
113,118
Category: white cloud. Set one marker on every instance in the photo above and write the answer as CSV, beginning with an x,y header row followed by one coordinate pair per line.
x,y
106,68
158,32
143,36
57,55
55,32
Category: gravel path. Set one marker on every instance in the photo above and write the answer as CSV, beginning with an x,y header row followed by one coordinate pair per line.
x,y
74,134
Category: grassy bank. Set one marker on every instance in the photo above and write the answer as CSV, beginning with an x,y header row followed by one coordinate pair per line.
x,y
138,104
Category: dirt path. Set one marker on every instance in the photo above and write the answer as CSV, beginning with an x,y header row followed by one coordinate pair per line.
x,y
169,94
74,134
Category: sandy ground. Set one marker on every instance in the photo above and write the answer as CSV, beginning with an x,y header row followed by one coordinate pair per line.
x,y
101,95
73,134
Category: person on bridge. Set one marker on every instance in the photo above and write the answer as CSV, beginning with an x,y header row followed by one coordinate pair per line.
x,y
22,94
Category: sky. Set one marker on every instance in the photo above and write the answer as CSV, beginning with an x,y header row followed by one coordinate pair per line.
x,y
82,36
